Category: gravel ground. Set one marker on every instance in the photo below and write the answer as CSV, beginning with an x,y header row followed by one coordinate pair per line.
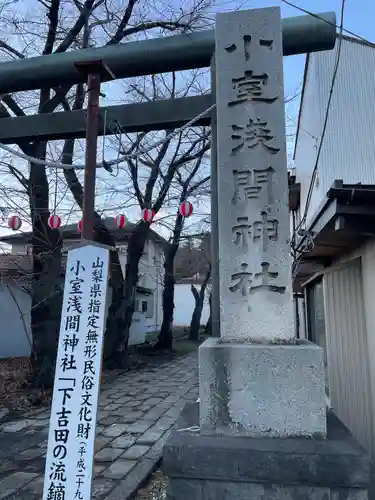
x,y
155,489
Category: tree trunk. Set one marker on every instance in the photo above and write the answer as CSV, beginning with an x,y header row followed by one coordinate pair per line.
x,y
208,327
196,317
136,245
116,312
165,338
46,287
199,301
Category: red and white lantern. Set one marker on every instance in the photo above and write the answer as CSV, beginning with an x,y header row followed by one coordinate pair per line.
x,y
54,221
148,214
80,225
14,222
120,221
186,209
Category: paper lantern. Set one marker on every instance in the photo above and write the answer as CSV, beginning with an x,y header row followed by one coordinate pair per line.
x,y
15,222
148,214
186,209
120,221
54,221
80,225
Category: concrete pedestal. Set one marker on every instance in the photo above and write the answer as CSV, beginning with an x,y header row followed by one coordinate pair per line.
x,y
202,467
268,390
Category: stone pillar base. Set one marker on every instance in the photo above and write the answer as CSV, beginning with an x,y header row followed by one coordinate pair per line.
x,y
269,390
203,467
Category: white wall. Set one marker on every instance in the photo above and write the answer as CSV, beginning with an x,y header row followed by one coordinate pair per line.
x,y
184,304
306,146
151,277
15,339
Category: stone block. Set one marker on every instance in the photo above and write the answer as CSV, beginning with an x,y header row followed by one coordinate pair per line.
x,y
261,390
261,468
108,454
115,430
14,482
123,442
135,452
119,469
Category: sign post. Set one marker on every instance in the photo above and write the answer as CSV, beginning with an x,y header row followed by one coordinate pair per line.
x,y
70,453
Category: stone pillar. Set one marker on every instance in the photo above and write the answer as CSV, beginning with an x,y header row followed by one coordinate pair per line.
x,y
256,379
262,391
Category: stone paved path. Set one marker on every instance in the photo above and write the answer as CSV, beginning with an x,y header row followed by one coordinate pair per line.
x,y
136,412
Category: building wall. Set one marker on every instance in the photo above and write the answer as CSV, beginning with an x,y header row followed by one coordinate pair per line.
x,y
307,140
184,304
348,150
15,331
150,277
347,343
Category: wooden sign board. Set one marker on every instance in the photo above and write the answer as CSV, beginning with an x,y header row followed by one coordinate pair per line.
x,y
70,453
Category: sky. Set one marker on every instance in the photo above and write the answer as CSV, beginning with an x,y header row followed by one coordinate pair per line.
x,y
358,20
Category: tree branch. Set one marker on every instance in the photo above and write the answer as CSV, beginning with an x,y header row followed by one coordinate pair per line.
x,y
10,49
53,16
169,26
120,33
75,30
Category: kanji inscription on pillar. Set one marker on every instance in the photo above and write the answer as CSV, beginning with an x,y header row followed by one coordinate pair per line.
x,y
254,248
70,453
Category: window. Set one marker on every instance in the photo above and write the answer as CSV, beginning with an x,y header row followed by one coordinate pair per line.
x,y
144,306
316,321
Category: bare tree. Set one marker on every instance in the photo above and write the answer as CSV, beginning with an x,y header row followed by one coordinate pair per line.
x,y
199,296
67,25
192,187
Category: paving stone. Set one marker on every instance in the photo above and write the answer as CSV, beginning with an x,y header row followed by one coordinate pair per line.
x,y
139,427
154,413
108,420
119,469
15,426
115,430
132,402
101,487
132,416
135,452
112,406
10,484
173,412
150,437
7,466
153,401
156,451
98,469
164,423
101,442
36,485
123,442
108,454
137,476
40,423
30,454
4,412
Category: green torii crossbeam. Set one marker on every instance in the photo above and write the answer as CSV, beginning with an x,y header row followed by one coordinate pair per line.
x,y
301,34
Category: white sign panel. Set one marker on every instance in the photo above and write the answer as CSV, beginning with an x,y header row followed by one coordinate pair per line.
x,y
70,453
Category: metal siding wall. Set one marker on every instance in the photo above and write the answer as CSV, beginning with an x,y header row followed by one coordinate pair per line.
x,y
348,151
306,147
348,360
